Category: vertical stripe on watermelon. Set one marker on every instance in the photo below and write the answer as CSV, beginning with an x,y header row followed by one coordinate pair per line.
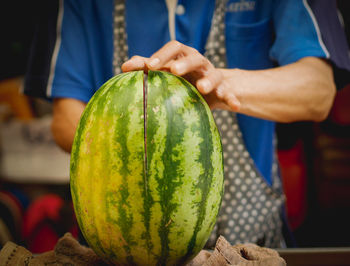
x,y
80,170
161,168
210,182
179,140
118,142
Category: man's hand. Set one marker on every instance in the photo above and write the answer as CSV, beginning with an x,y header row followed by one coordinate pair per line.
x,y
303,90
186,61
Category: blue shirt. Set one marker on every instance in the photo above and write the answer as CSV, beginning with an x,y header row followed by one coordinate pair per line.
x,y
259,35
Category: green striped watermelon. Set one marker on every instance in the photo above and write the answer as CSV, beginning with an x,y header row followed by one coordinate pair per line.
x,y
146,170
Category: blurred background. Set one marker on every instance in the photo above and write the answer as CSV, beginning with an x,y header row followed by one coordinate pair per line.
x,y
35,204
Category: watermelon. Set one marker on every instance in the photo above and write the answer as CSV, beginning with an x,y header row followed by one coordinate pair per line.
x,y
146,170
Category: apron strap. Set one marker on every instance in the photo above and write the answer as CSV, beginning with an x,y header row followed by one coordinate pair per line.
x,y
120,53
250,210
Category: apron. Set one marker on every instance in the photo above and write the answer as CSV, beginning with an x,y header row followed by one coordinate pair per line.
x,y
251,209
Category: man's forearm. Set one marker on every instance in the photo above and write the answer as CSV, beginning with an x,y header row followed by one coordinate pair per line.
x,y
300,91
66,116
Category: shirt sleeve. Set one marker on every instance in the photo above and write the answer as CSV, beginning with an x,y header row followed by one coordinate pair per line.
x,y
79,56
333,35
297,33
310,28
42,47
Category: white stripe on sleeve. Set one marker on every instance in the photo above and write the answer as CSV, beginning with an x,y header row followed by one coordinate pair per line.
x,y
56,49
309,10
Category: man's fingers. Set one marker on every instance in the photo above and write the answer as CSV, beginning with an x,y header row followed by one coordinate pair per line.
x,y
210,81
227,96
193,61
168,52
135,63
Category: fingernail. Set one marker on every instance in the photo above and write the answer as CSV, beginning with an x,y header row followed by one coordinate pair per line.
x,y
126,62
154,62
206,85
